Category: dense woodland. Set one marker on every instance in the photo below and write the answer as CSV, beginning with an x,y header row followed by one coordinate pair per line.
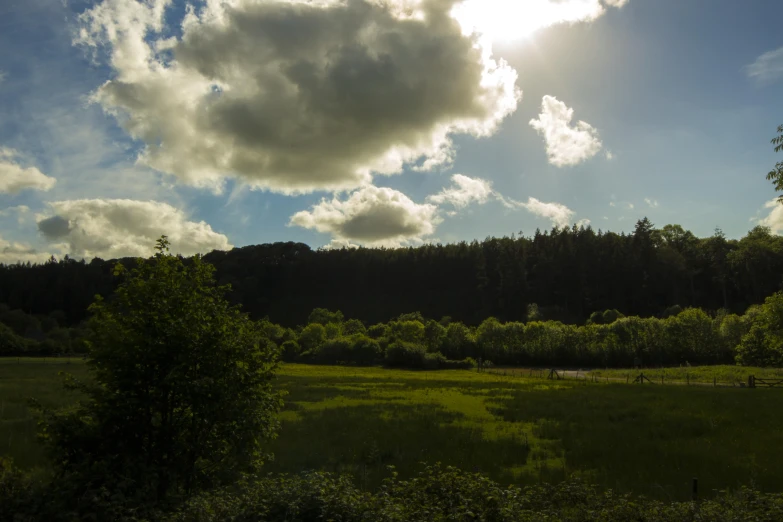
x,y
567,273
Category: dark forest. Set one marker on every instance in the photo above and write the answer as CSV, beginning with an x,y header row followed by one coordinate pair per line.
x,y
567,273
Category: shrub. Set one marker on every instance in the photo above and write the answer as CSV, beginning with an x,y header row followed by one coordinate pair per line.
x,y
290,351
405,355
334,351
366,350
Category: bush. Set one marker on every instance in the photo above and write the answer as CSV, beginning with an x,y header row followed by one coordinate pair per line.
x,y
434,361
290,351
405,355
366,350
377,331
763,345
444,493
334,351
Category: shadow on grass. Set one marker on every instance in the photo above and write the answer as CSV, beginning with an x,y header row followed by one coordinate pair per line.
x,y
654,440
364,440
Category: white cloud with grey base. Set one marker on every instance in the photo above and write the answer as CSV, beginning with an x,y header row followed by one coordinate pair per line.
x,y
15,178
13,252
295,96
566,144
373,216
115,228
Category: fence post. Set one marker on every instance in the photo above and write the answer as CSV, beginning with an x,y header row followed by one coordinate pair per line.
x,y
714,382
695,489
687,379
661,379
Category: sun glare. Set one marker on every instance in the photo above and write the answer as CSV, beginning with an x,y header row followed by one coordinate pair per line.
x,y
510,20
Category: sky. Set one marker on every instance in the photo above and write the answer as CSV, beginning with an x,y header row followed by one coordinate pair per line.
x,y
380,123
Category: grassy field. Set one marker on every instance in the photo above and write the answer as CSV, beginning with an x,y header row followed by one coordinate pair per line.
x,y
650,440
19,381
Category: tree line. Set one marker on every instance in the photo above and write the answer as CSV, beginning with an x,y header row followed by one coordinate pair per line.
x,y
609,339
569,273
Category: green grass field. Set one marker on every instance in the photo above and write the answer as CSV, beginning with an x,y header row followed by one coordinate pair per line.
x,y
644,439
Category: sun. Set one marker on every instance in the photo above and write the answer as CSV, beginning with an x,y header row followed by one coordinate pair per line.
x,y
512,20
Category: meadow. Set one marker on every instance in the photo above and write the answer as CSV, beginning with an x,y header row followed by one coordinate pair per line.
x,y
650,440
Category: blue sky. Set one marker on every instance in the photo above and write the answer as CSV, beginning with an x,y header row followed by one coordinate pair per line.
x,y
205,139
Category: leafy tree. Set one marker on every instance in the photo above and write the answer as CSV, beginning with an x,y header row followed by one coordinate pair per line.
x,y
776,175
353,326
182,397
10,343
312,336
324,317
763,344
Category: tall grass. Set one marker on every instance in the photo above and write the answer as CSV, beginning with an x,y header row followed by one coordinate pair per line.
x,y
642,439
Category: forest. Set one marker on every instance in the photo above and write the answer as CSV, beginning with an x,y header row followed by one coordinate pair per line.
x,y
568,273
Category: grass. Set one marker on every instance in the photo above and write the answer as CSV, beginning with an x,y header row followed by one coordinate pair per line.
x,y
21,379
642,439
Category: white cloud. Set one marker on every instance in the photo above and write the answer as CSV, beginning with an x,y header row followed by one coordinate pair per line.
x,y
514,19
768,67
3,76
293,96
651,203
22,212
12,252
609,155
371,216
115,228
775,218
566,145
14,178
559,214
463,192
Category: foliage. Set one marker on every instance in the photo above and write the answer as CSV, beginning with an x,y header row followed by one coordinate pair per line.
x,y
763,344
776,174
441,493
179,398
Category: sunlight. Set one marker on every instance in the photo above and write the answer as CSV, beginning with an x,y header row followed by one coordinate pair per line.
x,y
510,20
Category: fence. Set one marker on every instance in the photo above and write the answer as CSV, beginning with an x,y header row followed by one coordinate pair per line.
x,y
753,382
639,378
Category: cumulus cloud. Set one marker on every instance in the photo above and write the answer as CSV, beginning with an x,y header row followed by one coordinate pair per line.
x,y
566,144
774,219
14,178
767,68
371,216
115,228
463,192
296,96
511,19
651,203
12,252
